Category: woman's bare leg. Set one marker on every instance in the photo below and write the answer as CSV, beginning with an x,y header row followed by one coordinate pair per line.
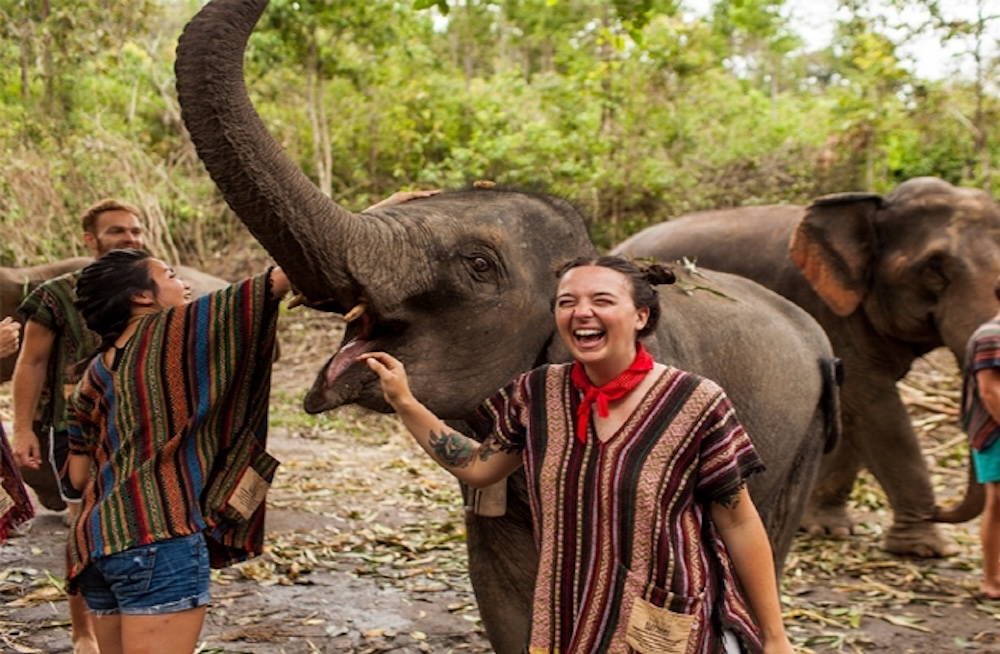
x,y
81,620
109,633
168,633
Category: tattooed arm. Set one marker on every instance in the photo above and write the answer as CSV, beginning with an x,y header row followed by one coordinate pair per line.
x,y
742,531
476,464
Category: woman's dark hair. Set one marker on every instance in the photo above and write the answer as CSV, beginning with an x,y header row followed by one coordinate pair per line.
x,y
105,288
642,278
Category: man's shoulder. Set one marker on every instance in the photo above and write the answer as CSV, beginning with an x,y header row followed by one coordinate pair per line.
x,y
53,296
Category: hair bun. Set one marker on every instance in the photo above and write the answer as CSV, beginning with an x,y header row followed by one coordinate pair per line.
x,y
657,273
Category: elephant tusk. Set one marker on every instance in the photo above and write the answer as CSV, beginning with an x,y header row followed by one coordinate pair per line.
x,y
297,300
356,312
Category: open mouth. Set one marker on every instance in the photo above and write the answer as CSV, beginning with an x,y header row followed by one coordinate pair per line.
x,y
588,337
364,333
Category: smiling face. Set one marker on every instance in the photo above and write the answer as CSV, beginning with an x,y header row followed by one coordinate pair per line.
x,y
114,229
598,321
171,290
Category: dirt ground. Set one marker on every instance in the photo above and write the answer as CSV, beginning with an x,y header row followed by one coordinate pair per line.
x,y
366,547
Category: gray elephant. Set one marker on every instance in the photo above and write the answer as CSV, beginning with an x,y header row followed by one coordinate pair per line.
x,y
17,283
889,278
458,286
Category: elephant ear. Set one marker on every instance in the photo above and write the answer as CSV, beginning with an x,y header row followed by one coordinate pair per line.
x,y
835,245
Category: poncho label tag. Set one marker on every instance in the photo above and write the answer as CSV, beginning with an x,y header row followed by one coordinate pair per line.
x,y
249,493
655,630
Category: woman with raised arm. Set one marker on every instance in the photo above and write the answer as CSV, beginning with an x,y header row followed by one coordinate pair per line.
x,y
648,540
167,442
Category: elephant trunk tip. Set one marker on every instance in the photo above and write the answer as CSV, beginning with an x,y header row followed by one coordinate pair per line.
x,y
955,514
969,507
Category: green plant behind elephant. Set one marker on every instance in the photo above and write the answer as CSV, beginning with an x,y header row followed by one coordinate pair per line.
x,y
459,285
889,278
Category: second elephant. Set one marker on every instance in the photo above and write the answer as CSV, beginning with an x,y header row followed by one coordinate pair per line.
x,y
889,278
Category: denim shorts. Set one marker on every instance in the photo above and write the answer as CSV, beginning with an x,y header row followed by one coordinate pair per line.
x,y
164,577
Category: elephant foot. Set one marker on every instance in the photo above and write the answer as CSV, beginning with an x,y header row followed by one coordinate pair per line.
x,y
828,521
922,539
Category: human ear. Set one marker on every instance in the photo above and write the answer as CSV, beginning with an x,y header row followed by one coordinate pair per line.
x,y
143,298
90,241
642,319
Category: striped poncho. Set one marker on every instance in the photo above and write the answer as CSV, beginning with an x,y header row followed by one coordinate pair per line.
x,y
175,425
15,505
982,352
51,306
623,527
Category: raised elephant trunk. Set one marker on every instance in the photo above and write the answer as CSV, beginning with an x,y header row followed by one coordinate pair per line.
x,y
299,226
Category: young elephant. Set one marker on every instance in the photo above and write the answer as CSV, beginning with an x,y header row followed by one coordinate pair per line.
x,y
458,286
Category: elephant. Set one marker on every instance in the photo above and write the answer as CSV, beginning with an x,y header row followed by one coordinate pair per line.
x,y
889,278
459,287
17,283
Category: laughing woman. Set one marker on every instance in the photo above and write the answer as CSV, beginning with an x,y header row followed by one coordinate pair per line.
x,y
647,537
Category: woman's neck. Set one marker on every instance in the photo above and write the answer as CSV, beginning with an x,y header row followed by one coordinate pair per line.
x,y
602,372
130,327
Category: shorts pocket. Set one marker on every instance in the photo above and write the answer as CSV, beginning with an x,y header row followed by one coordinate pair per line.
x,y
131,571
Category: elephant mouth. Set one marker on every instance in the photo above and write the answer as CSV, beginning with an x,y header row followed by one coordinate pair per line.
x,y
366,333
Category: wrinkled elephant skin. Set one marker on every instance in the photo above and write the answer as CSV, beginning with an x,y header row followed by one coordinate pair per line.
x,y
458,286
889,278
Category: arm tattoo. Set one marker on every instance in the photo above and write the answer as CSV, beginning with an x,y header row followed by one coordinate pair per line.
x,y
452,449
732,500
489,447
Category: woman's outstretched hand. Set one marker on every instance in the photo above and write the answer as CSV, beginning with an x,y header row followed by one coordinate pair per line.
x,y
392,375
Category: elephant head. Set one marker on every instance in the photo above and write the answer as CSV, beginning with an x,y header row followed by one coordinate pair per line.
x,y
921,262
458,272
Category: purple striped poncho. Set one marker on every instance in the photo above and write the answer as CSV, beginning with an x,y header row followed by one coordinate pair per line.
x,y
626,524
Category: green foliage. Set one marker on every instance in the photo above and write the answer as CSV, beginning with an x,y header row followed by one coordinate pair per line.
x,y
632,109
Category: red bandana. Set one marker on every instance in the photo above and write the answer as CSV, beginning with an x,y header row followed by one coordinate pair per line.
x,y
615,389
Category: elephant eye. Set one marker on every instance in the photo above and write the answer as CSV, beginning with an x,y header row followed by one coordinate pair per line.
x,y
482,264
934,274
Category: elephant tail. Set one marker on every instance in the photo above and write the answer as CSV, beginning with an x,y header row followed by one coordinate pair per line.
x,y
970,506
833,377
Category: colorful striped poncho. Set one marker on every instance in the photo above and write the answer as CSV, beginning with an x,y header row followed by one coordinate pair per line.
x,y
15,505
51,306
623,527
982,352
176,426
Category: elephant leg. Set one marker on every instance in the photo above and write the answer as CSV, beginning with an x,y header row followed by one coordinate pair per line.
x,y
881,432
503,562
778,495
826,512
